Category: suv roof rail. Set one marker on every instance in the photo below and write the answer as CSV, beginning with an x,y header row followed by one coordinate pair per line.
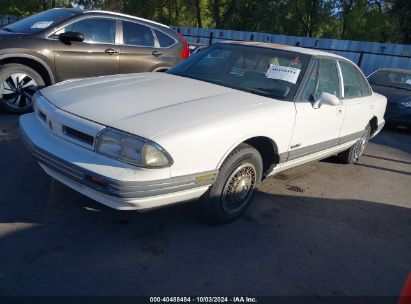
x,y
128,16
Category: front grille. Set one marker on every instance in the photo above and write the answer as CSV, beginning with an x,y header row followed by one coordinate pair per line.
x,y
83,137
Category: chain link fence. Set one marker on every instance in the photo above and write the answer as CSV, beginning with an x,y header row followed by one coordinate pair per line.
x,y
7,19
369,56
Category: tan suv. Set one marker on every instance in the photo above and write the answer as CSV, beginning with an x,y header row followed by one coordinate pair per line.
x,y
61,44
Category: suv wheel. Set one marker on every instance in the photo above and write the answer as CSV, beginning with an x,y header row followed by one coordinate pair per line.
x,y
18,83
232,192
353,154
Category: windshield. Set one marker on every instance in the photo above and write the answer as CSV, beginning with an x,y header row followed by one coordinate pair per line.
x,y
264,71
395,79
40,21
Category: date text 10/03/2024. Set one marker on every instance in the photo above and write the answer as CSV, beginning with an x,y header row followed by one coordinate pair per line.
x,y
203,300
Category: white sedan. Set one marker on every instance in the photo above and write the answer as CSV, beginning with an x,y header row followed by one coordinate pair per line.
x,y
211,128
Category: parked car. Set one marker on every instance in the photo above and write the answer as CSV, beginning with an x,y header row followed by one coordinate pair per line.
x,y
211,128
61,44
196,47
395,84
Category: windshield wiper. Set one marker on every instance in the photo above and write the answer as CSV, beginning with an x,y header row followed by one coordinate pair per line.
x,y
7,29
259,92
201,79
397,87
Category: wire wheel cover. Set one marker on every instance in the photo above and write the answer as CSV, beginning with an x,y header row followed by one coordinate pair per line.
x,y
239,188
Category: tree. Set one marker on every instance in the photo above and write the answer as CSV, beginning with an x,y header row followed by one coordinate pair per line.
x,y
402,11
373,20
198,12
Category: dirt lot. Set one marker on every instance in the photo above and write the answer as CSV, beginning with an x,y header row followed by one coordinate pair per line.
x,y
321,229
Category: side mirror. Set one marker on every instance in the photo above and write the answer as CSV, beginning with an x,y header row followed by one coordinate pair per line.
x,y
326,98
71,37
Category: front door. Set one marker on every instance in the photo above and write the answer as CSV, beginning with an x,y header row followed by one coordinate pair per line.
x,y
317,129
97,55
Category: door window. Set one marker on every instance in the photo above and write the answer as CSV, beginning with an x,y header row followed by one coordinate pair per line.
x,y
137,34
323,78
94,30
354,83
164,40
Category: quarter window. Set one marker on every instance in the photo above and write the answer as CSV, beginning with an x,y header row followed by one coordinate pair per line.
x,y
137,34
323,78
163,39
94,30
354,83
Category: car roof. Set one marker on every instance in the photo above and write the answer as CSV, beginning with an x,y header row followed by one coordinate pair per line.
x,y
127,16
394,70
296,49
84,11
68,9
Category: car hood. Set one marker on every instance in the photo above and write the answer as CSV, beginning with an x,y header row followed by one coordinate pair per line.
x,y
146,104
393,94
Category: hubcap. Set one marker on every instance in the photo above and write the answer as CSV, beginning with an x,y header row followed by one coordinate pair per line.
x,y
238,188
17,90
360,145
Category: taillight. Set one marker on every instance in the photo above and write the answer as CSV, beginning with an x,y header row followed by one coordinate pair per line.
x,y
186,50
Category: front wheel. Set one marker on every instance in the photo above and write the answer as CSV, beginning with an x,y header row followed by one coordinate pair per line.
x,y
353,154
232,192
18,83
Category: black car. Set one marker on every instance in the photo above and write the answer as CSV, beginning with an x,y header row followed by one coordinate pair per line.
x,y
395,84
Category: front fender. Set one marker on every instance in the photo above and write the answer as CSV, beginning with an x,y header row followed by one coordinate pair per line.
x,y
44,57
198,146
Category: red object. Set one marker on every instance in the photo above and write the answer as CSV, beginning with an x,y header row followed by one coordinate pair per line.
x,y
295,61
405,297
186,50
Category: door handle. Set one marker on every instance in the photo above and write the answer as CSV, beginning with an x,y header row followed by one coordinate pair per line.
x,y
112,51
156,53
339,111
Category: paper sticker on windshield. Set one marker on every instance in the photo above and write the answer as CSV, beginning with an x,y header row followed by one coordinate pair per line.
x,y
408,81
41,24
280,72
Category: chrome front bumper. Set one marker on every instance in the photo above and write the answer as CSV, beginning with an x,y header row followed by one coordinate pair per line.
x,y
129,192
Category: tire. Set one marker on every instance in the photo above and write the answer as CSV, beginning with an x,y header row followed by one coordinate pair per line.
x,y
18,83
353,154
242,170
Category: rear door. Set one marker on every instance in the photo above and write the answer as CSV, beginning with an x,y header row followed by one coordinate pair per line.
x,y
317,129
359,104
140,49
97,55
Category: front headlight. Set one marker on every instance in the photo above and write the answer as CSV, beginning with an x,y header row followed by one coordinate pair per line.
x,y
131,149
406,104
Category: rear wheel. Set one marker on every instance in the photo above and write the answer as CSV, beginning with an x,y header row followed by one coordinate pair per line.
x,y
232,192
18,83
353,154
